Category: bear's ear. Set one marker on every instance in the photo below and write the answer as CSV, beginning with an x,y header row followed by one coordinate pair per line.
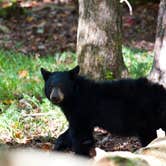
x,y
46,74
74,72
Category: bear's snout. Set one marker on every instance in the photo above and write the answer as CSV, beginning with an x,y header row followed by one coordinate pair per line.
x,y
56,95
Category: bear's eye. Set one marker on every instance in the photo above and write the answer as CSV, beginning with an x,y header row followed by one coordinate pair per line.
x,y
51,87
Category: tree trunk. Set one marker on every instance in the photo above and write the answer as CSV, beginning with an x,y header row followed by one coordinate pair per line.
x,y
99,39
158,72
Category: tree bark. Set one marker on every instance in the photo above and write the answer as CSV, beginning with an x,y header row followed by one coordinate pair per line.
x,y
99,39
158,72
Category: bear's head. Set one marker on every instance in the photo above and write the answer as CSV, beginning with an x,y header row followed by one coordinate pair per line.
x,y
60,85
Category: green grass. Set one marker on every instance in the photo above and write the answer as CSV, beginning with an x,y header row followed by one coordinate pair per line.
x,y
138,62
21,92
20,74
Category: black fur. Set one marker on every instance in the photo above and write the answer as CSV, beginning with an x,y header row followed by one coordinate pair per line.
x,y
127,107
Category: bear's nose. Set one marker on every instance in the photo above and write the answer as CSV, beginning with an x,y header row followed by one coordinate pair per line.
x,y
56,95
55,99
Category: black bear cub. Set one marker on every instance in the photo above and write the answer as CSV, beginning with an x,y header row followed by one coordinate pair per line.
x,y
126,107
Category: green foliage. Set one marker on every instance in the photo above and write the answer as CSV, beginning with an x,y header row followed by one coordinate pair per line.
x,y
138,62
108,75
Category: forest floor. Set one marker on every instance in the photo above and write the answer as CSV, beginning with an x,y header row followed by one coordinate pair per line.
x,y
45,29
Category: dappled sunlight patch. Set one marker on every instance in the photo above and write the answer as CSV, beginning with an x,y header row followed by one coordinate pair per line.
x,y
30,118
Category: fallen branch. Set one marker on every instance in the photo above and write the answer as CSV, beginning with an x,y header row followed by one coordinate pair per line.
x,y
38,114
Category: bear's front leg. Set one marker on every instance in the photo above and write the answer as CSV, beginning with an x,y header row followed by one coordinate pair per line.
x,y
63,141
83,146
82,140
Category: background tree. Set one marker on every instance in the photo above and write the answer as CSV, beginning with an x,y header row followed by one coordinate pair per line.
x,y
158,72
99,39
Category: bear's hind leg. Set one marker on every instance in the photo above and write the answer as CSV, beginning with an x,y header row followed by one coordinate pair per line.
x,y
147,137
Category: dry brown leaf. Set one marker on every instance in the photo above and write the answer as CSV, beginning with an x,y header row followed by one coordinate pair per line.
x,y
18,135
29,19
23,74
8,101
46,147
